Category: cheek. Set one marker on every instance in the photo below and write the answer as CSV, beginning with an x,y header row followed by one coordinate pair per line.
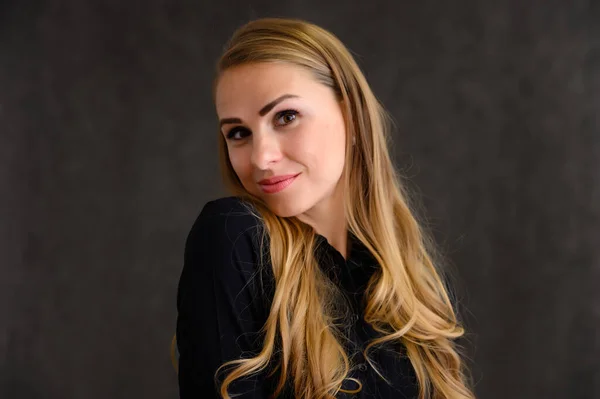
x,y
240,163
321,153
328,148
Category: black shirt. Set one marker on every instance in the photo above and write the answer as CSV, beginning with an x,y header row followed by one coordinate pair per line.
x,y
222,305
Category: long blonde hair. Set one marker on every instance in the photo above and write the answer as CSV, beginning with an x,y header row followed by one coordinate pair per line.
x,y
407,301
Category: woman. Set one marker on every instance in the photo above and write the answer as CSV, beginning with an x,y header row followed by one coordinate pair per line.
x,y
314,280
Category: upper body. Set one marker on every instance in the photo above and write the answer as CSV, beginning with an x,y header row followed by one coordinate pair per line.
x,y
224,299
303,138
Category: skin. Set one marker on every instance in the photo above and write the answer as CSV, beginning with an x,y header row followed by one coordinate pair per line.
x,y
302,133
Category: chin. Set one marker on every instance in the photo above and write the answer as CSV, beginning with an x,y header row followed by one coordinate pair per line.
x,y
285,207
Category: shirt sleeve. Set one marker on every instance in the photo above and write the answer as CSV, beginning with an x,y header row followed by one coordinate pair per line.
x,y
220,302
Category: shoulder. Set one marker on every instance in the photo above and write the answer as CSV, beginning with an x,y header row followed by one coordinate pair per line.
x,y
227,207
221,288
228,204
227,229
222,249
227,218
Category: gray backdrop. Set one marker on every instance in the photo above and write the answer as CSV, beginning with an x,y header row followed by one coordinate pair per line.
x,y
108,152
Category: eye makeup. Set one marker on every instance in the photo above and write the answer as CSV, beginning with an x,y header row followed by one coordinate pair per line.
x,y
231,134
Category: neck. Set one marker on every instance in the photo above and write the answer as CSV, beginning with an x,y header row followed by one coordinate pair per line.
x,y
328,219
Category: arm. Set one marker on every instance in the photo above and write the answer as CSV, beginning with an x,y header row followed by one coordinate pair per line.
x,y
219,301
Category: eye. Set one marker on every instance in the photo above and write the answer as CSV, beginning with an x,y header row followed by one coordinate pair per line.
x,y
286,117
238,133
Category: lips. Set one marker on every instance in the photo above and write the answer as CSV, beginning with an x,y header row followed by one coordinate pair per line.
x,y
277,183
276,179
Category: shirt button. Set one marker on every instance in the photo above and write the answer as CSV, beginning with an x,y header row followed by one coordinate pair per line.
x,y
362,367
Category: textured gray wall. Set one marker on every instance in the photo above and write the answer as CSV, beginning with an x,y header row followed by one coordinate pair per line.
x,y
107,151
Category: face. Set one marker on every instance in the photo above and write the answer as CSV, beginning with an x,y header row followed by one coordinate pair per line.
x,y
279,123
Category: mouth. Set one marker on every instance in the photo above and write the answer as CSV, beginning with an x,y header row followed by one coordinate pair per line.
x,y
279,185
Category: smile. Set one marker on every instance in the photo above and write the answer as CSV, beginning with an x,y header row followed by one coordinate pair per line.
x,y
279,186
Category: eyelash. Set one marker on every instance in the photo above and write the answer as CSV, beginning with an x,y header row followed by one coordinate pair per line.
x,y
279,115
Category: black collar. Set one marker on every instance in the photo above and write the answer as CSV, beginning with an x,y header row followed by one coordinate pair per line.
x,y
332,260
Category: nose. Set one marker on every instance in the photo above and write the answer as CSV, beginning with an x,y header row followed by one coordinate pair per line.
x,y
265,150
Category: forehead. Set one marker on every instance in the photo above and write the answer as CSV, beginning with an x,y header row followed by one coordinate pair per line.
x,y
257,84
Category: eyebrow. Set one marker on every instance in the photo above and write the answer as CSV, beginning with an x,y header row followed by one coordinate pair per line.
x,y
263,111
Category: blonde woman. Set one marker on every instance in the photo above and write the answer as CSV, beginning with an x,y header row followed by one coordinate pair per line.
x,y
314,280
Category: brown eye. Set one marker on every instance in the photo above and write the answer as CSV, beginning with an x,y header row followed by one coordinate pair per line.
x,y
237,133
286,117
